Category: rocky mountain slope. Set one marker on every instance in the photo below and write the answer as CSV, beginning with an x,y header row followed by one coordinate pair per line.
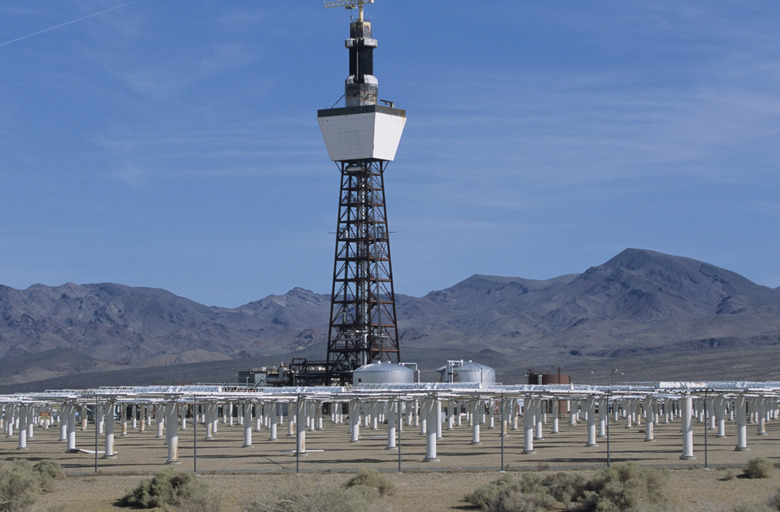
x,y
640,308
109,326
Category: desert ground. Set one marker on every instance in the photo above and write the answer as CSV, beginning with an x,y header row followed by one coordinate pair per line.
x,y
242,473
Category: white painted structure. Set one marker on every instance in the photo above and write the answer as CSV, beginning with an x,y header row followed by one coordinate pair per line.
x,y
374,403
362,133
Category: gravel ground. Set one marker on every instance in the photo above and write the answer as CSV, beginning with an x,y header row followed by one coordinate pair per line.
x,y
689,490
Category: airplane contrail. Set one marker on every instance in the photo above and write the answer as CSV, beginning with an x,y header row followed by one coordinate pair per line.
x,y
71,22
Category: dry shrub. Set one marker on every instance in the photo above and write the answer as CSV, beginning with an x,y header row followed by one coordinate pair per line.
x,y
19,486
50,468
357,498
371,478
758,467
566,488
365,492
170,488
201,501
49,471
623,488
489,496
532,493
520,502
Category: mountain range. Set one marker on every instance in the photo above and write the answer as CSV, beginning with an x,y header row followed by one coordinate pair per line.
x,y
642,315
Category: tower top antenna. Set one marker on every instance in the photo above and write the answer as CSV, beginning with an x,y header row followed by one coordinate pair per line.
x,y
350,4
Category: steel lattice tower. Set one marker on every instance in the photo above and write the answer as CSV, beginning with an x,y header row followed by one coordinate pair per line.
x,y
361,138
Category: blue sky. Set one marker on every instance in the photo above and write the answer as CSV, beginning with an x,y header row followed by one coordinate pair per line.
x,y
174,144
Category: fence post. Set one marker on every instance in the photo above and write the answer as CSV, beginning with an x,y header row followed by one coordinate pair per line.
x,y
501,422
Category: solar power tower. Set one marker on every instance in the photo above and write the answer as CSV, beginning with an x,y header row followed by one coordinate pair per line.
x,y
362,138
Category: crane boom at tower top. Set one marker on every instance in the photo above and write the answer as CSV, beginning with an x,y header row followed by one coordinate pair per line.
x,y
350,4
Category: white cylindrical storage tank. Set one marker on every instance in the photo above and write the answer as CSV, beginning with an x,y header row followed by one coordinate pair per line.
x,y
466,371
383,373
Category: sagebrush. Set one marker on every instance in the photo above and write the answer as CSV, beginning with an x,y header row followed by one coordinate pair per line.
x,y
49,471
170,488
21,483
758,467
622,488
371,478
365,492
